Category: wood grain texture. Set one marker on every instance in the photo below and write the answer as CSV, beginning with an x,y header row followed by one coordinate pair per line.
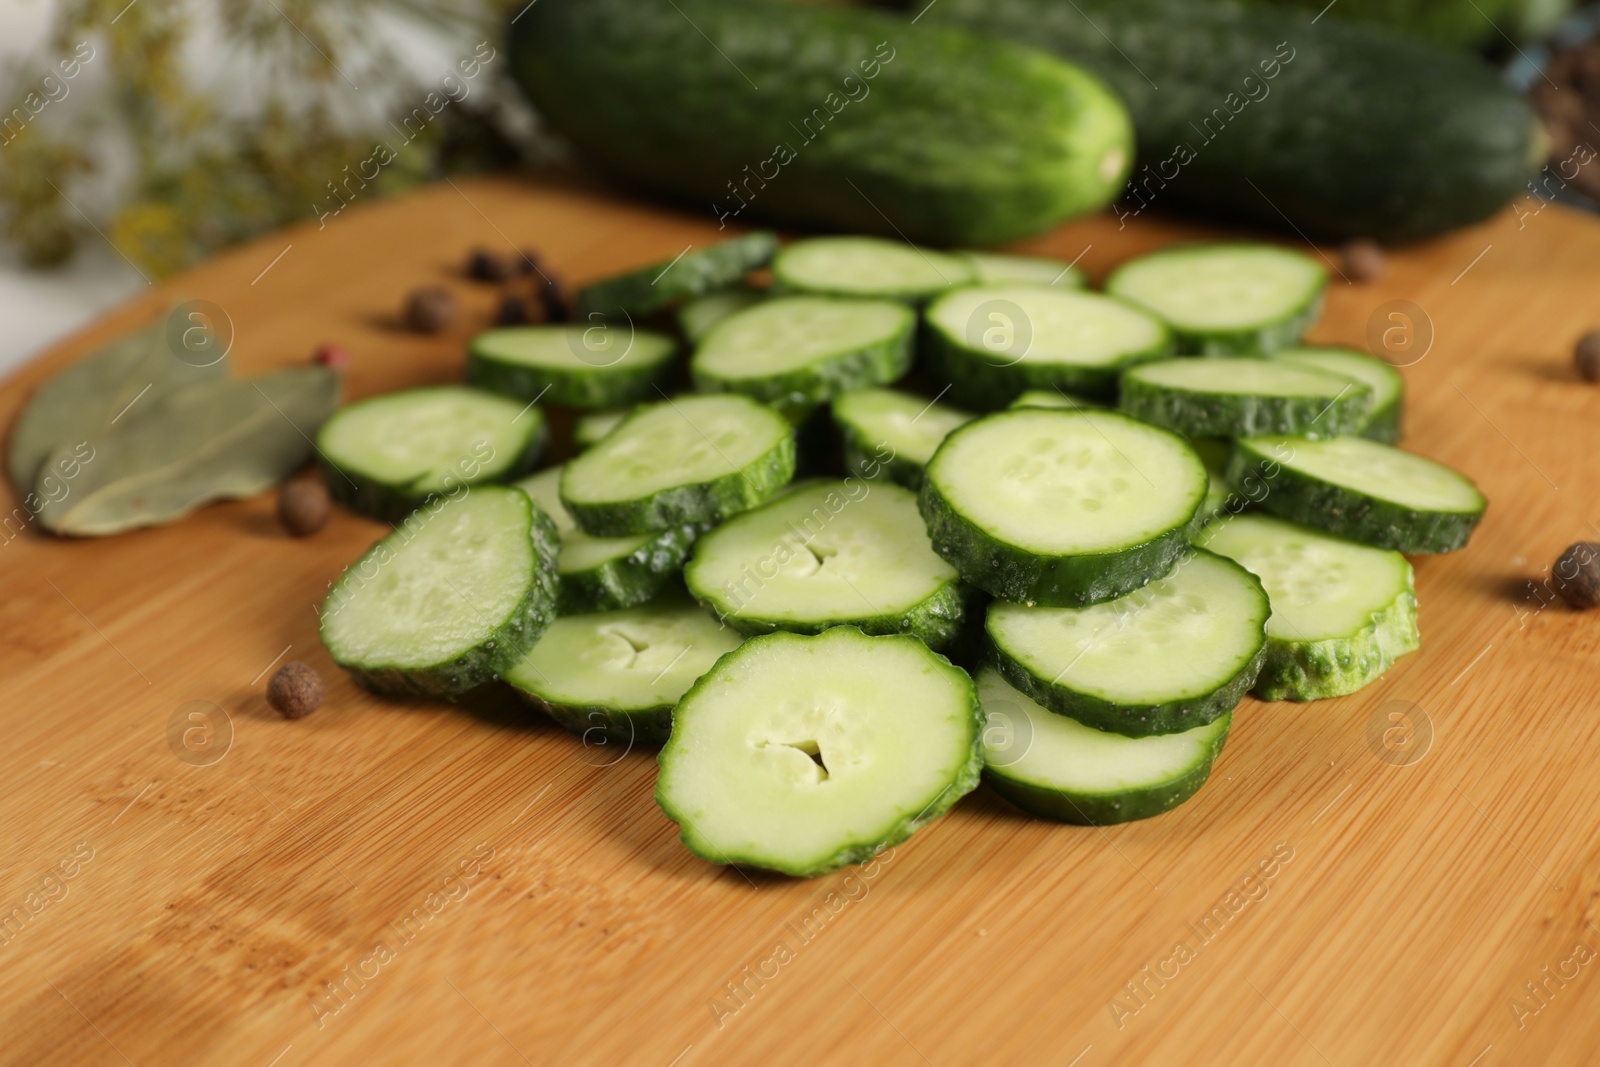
x,y
536,906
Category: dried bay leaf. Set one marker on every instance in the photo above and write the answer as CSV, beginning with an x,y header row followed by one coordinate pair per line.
x,y
212,440
86,398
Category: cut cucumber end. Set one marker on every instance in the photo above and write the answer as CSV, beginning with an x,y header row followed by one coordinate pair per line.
x,y
598,365
868,267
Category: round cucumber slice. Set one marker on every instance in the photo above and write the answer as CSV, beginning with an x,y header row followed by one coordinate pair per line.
x,y
690,459
697,317
798,351
993,342
619,673
602,573
1226,298
1388,387
1057,768
828,553
868,266
889,432
1054,398
1061,507
1342,613
588,429
805,754
1169,657
997,268
450,599
386,455
691,273
1363,490
595,366
1241,395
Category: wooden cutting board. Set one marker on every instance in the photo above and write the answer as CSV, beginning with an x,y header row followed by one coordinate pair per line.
x,y
1369,880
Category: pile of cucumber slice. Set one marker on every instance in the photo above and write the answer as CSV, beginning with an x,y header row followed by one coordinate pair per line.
x,y
1116,513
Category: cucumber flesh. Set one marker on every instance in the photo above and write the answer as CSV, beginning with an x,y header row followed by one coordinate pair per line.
x,y
387,455
1057,768
869,267
692,273
1174,655
619,673
894,433
588,429
1240,396
1388,387
799,351
996,268
1342,612
595,366
1222,299
690,459
1061,507
450,599
805,754
697,317
993,342
1363,490
825,554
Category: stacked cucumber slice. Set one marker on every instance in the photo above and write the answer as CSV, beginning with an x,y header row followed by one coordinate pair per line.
x,y
1122,548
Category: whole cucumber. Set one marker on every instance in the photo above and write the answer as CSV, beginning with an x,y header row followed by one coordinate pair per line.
x,y
1269,115
845,119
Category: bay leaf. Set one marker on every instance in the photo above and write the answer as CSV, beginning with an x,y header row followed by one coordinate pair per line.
x,y
213,440
86,398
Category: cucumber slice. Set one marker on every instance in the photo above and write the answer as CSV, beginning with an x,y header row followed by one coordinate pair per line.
x,y
868,266
996,268
1054,398
1240,396
1388,387
603,573
588,429
620,672
1056,768
450,599
1214,453
1342,613
386,455
829,553
805,754
692,273
798,351
1174,655
1061,507
889,432
691,459
697,317
1363,490
993,342
1222,299
596,366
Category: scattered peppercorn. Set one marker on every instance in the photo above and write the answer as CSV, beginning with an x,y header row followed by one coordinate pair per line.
x,y
430,309
513,311
332,356
303,506
527,262
1577,575
1587,356
1363,260
552,302
485,266
294,690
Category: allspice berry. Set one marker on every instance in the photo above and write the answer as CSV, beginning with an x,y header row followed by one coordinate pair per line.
x,y
1363,260
485,266
294,690
1576,573
303,506
430,309
553,302
1587,356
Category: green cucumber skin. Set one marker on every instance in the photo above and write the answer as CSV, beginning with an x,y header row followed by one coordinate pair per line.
x,y
1360,133
803,388
1010,573
938,621
646,726
585,390
392,503
1384,424
860,458
966,780
503,649
983,386
654,287
632,579
1316,670
1349,513
1240,414
1090,809
967,141
708,502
